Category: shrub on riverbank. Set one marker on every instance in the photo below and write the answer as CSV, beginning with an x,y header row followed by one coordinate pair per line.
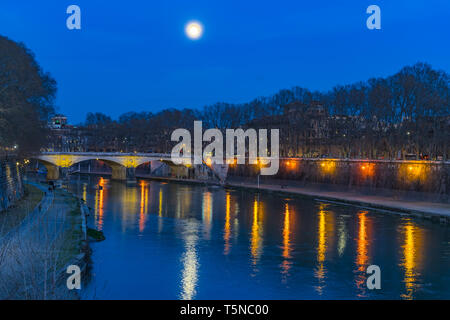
x,y
33,260
95,235
13,216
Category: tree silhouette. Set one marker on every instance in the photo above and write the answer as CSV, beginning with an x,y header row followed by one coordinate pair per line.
x,y
26,98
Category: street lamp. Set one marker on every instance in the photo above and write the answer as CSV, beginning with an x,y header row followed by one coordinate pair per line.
x,y
258,165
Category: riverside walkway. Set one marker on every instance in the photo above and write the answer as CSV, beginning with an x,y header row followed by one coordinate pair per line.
x,y
42,207
36,252
409,206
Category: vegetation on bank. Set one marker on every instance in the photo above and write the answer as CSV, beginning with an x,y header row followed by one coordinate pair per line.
x,y
95,234
72,238
26,100
13,216
33,259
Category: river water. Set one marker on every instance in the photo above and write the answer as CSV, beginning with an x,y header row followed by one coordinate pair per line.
x,y
176,241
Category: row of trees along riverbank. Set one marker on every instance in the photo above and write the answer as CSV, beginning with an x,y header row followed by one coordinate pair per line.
x,y
391,117
32,253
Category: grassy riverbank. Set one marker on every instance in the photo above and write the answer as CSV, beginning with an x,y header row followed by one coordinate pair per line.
x,y
72,236
13,216
33,257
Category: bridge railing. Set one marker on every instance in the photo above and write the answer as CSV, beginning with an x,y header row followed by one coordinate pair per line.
x,y
167,156
122,154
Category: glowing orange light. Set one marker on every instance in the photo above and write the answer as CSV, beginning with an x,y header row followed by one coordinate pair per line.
x,y
291,164
367,169
328,166
413,171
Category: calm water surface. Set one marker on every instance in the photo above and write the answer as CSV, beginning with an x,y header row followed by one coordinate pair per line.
x,y
174,241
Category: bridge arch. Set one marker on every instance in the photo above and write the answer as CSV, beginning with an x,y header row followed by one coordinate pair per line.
x,y
124,165
57,165
52,169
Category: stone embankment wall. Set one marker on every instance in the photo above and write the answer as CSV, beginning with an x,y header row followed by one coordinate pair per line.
x,y
11,185
418,176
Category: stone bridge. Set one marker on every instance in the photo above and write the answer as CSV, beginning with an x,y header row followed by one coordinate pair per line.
x,y
124,165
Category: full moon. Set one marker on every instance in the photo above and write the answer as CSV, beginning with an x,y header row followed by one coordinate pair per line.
x,y
194,30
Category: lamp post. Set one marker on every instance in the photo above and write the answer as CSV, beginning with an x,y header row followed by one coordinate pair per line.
x,y
258,165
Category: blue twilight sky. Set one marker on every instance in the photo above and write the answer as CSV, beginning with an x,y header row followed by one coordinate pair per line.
x,y
134,55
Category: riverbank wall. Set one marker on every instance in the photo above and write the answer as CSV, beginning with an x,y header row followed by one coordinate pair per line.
x,y
11,183
430,178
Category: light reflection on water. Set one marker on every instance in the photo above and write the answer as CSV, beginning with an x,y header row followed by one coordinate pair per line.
x,y
412,251
256,237
143,206
325,231
362,252
189,260
227,228
100,199
287,246
171,241
207,213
